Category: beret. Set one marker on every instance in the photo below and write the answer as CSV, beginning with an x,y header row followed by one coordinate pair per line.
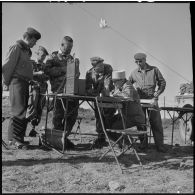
x,y
69,39
41,48
140,56
34,33
96,59
99,68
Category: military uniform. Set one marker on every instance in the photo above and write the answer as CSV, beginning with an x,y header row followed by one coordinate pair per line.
x,y
41,79
95,87
56,70
145,82
17,72
132,110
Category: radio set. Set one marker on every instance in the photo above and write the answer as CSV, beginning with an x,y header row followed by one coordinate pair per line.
x,y
74,85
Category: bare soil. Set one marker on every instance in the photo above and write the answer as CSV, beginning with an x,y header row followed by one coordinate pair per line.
x,y
80,171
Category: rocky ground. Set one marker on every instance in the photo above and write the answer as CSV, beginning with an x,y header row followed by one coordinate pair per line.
x,y
81,171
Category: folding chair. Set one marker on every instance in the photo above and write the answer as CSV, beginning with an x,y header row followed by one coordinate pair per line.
x,y
130,133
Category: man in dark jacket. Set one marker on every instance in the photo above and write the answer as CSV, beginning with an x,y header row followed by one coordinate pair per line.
x,y
56,67
145,79
37,100
132,110
95,86
17,72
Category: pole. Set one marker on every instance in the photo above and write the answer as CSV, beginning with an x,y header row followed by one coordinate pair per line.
x,y
164,106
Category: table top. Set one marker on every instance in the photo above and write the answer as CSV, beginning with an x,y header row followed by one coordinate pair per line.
x,y
178,109
87,98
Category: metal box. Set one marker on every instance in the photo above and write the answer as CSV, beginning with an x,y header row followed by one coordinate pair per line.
x,y
71,86
81,87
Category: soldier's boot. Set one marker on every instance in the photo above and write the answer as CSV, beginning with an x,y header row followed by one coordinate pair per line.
x,y
33,133
143,143
100,142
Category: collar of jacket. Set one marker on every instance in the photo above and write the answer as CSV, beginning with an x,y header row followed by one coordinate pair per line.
x,y
24,46
148,67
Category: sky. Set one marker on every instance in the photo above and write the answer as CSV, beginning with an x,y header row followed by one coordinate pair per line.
x,y
161,30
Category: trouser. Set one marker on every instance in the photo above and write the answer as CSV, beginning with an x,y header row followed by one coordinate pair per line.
x,y
156,126
107,115
39,109
59,114
192,123
19,94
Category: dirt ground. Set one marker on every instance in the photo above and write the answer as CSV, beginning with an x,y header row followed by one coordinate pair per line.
x,y
81,171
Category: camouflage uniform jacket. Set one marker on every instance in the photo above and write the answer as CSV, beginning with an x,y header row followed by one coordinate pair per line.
x,y
96,86
55,68
40,78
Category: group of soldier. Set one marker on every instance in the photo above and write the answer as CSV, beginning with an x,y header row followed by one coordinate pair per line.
x,y
19,69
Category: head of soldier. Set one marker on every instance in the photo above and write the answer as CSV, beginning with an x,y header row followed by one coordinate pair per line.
x,y
99,69
41,54
118,78
140,60
66,45
96,60
31,36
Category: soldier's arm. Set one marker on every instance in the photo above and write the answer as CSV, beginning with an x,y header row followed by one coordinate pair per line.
x,y
125,93
161,83
10,63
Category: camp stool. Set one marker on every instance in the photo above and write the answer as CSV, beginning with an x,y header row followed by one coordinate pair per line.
x,y
131,134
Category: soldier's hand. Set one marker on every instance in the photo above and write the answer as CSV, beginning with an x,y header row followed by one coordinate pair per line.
x,y
5,87
154,102
39,73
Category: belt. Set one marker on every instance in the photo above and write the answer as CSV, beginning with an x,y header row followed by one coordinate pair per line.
x,y
21,77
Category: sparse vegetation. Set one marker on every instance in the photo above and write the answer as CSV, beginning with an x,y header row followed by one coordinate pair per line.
x,y
81,171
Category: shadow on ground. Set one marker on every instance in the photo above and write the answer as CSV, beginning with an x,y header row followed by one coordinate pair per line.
x,y
151,159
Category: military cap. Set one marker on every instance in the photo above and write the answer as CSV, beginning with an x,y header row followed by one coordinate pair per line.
x,y
34,33
96,59
69,39
140,56
41,48
99,68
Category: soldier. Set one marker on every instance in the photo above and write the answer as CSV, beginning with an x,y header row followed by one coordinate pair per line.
x,y
41,78
146,78
132,110
95,79
56,70
17,72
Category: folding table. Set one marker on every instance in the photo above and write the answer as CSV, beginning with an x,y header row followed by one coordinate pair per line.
x,y
181,112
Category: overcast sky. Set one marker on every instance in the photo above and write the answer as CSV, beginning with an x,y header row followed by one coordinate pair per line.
x,y
163,30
